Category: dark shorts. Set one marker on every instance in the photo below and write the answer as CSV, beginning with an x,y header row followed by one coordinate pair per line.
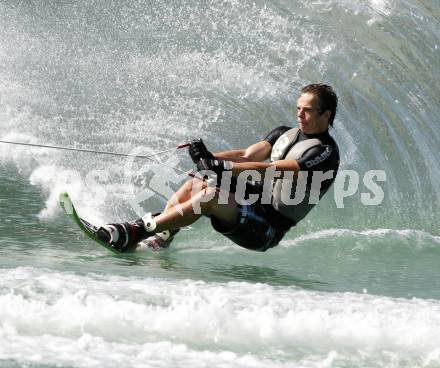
x,y
258,227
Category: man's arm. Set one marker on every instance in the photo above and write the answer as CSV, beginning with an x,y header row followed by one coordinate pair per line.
x,y
280,166
320,158
257,152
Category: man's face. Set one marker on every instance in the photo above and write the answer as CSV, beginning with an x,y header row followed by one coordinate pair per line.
x,y
310,120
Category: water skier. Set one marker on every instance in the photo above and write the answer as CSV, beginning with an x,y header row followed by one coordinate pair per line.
x,y
294,154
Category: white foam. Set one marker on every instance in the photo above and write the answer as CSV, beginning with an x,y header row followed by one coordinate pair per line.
x,y
23,156
384,7
419,237
89,196
89,351
86,318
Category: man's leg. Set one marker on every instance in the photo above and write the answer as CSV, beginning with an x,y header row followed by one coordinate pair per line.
x,y
203,202
184,193
162,239
200,200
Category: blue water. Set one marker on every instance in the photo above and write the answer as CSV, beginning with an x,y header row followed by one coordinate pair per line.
x,y
356,286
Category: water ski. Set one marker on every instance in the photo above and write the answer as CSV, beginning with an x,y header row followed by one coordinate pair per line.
x,y
86,227
155,242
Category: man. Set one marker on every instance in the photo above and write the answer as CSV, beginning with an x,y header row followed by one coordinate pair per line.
x,y
296,155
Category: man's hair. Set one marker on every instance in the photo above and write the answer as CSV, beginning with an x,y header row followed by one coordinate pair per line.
x,y
327,99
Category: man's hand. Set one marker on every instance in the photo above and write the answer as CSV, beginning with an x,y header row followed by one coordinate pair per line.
x,y
198,151
218,166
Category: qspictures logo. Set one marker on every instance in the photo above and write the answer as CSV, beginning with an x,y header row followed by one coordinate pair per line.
x,y
166,177
295,187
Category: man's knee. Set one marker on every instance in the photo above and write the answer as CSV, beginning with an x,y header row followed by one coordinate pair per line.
x,y
188,185
194,186
206,200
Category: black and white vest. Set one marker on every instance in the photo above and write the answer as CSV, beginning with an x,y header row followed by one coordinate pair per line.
x,y
284,194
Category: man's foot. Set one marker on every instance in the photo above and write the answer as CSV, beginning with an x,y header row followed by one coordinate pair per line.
x,y
124,237
160,240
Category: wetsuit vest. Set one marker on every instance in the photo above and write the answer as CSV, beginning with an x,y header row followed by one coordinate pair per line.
x,y
286,147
